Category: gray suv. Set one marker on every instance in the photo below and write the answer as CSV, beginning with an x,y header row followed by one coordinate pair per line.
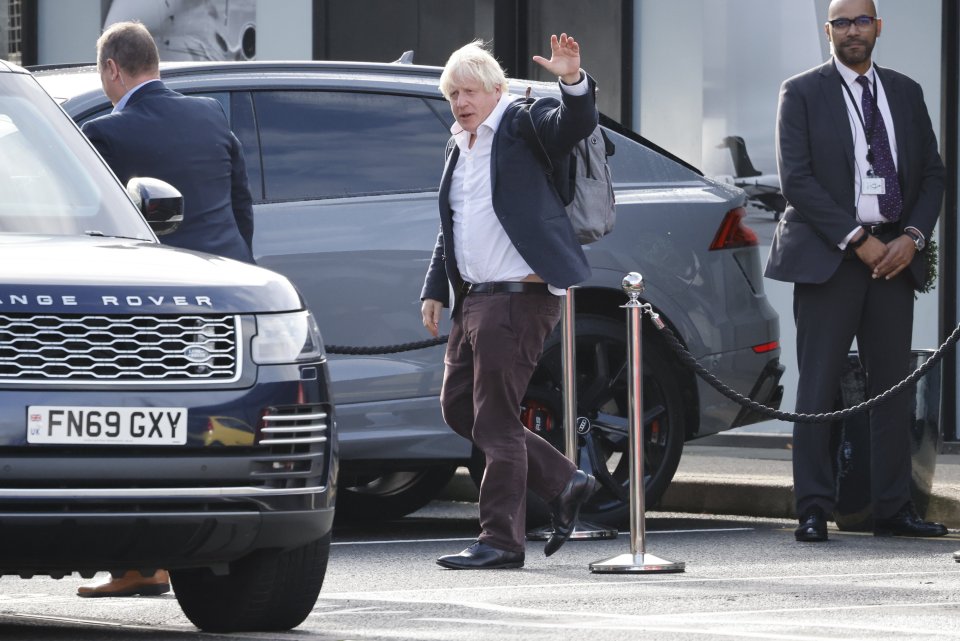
x,y
344,160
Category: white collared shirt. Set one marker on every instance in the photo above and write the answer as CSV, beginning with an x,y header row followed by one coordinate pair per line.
x,y
483,250
868,207
126,97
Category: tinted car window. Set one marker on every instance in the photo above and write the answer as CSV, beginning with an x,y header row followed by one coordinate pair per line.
x,y
332,144
635,163
46,185
244,126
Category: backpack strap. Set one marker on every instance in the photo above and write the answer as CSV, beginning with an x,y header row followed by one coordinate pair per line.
x,y
529,132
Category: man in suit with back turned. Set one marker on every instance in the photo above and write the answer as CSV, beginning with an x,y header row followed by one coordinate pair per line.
x,y
187,142
863,180
183,140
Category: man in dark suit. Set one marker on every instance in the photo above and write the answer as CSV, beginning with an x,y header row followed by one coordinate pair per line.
x,y
507,249
185,141
859,167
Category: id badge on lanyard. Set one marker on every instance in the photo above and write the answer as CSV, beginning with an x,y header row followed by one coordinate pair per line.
x,y
873,185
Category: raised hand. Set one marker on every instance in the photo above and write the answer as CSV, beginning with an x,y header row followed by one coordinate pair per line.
x,y
564,58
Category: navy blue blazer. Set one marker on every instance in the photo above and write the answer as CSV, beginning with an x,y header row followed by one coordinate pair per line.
x,y
816,164
524,197
185,141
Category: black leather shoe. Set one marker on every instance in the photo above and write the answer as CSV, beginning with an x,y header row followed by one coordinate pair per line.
x,y
481,556
565,508
956,556
813,526
906,522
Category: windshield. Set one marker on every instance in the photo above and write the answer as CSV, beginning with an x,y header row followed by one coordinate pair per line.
x,y
51,180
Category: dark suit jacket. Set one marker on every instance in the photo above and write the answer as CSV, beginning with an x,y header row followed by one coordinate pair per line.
x,y
187,142
816,165
524,197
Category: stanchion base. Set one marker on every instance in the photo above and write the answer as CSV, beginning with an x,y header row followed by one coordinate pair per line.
x,y
637,563
582,530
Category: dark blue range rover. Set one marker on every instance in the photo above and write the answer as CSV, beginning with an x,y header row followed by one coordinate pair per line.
x,y
159,408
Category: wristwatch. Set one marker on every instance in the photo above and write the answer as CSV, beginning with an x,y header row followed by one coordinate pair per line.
x,y
853,244
917,238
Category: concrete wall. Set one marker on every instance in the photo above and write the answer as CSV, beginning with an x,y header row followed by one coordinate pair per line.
x,y
669,86
379,31
284,30
711,68
4,41
68,31
600,39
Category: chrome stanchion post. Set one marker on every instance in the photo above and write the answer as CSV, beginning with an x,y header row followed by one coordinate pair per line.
x,y
568,359
637,560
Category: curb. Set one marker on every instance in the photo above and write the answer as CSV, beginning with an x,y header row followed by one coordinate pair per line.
x,y
945,505
741,496
772,498
764,497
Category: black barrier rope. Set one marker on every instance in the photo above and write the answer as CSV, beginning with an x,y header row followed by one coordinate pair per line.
x,y
688,360
385,349
827,417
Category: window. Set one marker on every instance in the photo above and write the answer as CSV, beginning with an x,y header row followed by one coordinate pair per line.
x,y
332,144
50,180
637,163
244,126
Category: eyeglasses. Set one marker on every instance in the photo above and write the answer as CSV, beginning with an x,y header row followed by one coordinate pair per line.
x,y
843,24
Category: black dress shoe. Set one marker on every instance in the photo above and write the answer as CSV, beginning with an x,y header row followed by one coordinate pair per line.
x,y
481,556
956,556
565,508
906,522
813,526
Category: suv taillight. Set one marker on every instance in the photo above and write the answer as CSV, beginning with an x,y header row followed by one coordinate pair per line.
x,y
733,233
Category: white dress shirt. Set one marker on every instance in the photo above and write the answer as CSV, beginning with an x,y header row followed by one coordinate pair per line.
x,y
483,250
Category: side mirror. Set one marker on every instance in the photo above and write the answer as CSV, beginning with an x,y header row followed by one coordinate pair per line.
x,y
160,203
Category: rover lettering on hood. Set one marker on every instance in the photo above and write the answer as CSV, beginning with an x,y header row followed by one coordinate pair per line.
x,y
133,300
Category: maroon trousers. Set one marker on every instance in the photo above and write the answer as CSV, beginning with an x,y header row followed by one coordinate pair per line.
x,y
494,346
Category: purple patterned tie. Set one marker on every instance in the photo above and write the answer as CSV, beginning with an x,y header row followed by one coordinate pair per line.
x,y
891,203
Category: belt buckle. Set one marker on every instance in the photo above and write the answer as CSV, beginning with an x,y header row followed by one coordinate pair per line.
x,y
465,288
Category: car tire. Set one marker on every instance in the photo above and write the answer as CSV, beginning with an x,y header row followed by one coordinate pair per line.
x,y
602,398
392,495
269,590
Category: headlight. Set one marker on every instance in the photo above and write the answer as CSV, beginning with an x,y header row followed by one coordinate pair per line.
x,y
286,338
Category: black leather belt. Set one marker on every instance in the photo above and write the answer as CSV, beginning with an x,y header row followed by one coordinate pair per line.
x,y
883,229
507,287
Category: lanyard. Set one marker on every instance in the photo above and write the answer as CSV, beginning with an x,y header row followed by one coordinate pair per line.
x,y
873,120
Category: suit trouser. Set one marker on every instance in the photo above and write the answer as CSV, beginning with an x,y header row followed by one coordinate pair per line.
x,y
494,346
880,314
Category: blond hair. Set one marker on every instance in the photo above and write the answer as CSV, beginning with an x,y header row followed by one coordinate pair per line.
x,y
472,62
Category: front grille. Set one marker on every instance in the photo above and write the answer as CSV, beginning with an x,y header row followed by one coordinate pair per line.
x,y
299,439
122,348
294,425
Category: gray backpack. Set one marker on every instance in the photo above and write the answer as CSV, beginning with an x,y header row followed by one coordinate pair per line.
x,y
586,189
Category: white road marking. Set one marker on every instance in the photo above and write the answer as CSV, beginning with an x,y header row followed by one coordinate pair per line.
x,y
633,627
599,583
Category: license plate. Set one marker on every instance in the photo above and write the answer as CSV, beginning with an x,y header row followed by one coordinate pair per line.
x,y
106,425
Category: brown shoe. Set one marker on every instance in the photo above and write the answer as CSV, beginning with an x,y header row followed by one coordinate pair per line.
x,y
131,583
